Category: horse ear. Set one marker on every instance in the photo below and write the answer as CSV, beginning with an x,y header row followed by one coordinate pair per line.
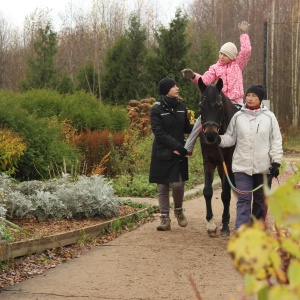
x,y
219,85
201,85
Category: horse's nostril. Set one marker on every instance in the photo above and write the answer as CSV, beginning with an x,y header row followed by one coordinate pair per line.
x,y
211,137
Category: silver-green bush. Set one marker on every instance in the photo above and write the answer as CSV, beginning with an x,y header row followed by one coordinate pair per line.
x,y
87,197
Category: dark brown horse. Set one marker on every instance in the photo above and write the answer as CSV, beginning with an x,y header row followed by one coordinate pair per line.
x,y
216,112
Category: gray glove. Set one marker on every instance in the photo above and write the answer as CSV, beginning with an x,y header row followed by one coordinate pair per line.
x,y
188,73
244,27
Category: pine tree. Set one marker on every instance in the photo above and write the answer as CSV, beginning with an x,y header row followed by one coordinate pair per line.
x,y
41,71
124,66
88,79
169,57
205,53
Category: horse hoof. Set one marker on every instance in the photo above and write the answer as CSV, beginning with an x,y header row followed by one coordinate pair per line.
x,y
212,233
211,228
225,233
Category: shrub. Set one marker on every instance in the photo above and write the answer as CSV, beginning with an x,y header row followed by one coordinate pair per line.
x,y
89,197
11,149
86,197
137,186
139,115
41,103
270,260
86,112
45,152
81,108
95,146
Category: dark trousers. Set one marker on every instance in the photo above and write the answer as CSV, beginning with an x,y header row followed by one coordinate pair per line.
x,y
244,212
164,198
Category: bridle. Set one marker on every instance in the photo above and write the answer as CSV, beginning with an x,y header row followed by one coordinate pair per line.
x,y
213,123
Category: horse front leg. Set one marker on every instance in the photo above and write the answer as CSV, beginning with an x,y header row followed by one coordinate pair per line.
x,y
208,193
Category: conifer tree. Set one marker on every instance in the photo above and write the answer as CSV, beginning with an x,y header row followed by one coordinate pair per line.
x,y
124,66
169,57
40,69
88,79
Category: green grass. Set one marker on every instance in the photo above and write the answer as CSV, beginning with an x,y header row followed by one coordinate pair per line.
x,y
292,143
138,185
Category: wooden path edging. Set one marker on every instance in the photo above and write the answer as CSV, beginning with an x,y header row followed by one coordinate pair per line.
x,y
17,249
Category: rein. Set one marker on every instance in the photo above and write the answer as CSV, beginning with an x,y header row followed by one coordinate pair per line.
x,y
229,181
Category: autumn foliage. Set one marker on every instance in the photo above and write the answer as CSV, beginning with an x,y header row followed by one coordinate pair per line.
x,y
139,115
12,146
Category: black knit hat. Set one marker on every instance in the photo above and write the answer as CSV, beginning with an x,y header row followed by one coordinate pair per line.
x,y
165,85
256,89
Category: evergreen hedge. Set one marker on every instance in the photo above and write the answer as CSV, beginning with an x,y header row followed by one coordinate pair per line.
x,y
37,116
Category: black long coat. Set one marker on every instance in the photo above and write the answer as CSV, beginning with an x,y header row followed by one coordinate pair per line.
x,y
169,122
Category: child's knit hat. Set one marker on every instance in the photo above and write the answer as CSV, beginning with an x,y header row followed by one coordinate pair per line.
x,y
230,50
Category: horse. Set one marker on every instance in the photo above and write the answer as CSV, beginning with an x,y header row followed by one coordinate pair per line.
x,y
216,112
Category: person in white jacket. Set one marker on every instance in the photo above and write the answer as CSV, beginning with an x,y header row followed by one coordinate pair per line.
x,y
255,131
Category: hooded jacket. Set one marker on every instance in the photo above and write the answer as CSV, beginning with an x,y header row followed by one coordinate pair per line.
x,y
230,73
169,123
258,140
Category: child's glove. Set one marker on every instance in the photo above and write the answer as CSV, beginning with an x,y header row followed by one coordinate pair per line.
x,y
274,170
188,73
244,27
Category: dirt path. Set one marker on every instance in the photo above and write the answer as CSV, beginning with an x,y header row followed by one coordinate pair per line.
x,y
146,264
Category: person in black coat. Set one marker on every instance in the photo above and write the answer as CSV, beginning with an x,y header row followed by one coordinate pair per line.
x,y
169,122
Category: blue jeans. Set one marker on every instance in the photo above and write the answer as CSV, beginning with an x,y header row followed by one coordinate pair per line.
x,y
244,212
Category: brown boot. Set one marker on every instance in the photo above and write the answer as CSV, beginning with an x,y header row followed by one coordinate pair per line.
x,y
165,223
182,221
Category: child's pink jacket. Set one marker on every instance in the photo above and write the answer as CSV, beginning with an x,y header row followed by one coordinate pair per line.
x,y
230,73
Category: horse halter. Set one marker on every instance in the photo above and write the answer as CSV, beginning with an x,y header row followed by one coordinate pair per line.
x,y
213,123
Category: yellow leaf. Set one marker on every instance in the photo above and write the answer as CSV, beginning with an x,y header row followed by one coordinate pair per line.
x,y
250,248
294,274
253,285
282,292
284,204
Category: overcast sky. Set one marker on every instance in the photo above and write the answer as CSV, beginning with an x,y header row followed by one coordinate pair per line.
x,y
16,10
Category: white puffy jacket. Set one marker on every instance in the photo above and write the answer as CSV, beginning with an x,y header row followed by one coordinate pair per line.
x,y
258,140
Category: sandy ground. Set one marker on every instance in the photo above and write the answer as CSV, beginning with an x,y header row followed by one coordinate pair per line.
x,y
147,264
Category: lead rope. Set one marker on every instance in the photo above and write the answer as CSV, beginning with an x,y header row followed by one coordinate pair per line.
x,y
229,181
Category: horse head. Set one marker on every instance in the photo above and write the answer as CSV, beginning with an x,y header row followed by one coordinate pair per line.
x,y
211,109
